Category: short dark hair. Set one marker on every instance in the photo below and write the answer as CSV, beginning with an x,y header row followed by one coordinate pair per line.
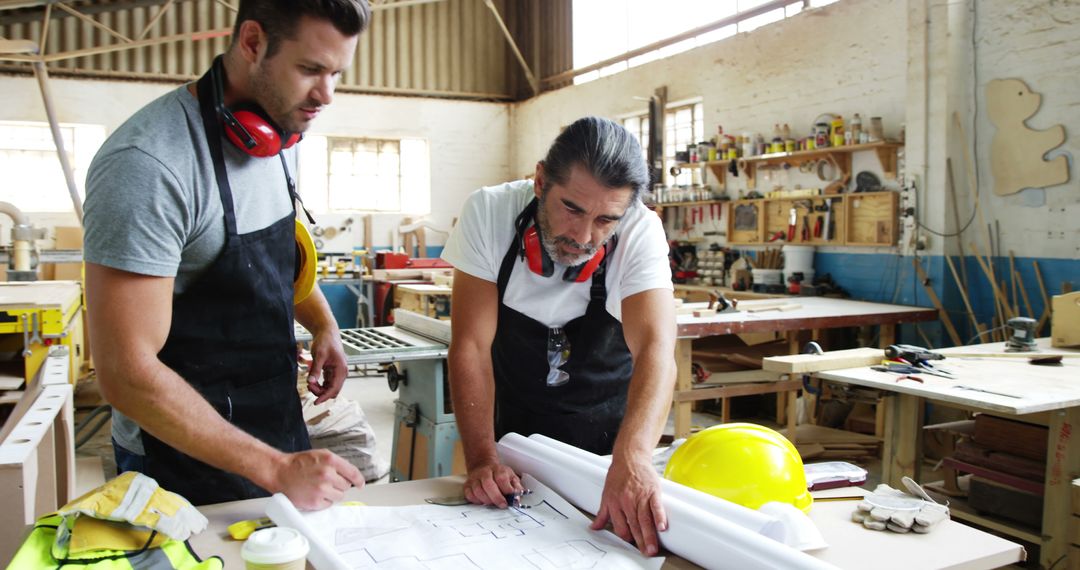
x,y
279,18
604,148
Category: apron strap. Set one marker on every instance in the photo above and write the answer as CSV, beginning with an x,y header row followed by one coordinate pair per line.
x,y
208,96
210,92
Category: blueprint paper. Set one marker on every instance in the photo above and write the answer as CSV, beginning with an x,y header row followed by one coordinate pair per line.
x,y
551,534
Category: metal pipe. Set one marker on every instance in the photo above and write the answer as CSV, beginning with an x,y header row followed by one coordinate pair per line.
x,y
14,213
65,164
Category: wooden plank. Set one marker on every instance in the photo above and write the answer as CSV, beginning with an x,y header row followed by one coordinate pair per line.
x,y
1046,298
1062,468
808,433
684,381
1065,324
903,440
695,394
1015,437
832,360
1075,497
942,313
963,292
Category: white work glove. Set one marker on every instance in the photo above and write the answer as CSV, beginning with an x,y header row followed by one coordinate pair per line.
x,y
889,509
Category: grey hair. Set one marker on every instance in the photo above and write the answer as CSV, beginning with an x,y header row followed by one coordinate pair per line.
x,y
605,149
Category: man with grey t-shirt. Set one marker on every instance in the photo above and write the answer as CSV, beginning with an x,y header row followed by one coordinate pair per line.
x,y
191,259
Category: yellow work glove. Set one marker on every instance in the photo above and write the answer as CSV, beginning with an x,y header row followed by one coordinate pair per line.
x,y
136,499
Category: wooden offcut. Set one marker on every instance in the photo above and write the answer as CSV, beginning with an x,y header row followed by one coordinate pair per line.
x,y
832,360
1065,322
1011,436
1017,151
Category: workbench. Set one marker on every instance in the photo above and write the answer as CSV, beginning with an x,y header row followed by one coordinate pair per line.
x,y
950,545
798,325
35,315
1004,386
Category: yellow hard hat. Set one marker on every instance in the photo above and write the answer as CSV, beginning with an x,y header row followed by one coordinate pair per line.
x,y
744,463
304,277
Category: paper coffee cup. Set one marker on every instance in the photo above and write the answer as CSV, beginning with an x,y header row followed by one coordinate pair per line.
x,y
276,548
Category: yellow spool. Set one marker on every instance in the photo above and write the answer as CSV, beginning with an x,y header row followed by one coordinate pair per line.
x,y
304,278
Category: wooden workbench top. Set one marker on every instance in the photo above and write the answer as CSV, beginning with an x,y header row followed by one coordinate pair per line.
x,y
1001,384
813,313
42,294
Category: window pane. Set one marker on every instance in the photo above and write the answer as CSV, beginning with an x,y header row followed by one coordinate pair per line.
x,y
630,24
370,174
33,178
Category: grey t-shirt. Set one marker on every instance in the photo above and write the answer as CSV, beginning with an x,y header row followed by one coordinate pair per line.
x,y
153,207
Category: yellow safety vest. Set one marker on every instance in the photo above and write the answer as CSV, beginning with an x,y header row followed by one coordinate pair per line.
x,y
40,551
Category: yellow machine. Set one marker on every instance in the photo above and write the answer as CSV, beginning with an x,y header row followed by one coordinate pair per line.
x,y
35,315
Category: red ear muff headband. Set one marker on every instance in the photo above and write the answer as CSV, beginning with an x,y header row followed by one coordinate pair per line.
x,y
540,262
248,126
254,133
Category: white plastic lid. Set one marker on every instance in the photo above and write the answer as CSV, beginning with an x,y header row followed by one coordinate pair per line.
x,y
276,545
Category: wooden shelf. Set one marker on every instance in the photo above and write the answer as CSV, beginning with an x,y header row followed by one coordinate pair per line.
x,y
690,203
863,219
840,155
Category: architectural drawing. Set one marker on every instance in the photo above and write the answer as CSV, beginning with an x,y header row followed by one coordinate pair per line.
x,y
551,535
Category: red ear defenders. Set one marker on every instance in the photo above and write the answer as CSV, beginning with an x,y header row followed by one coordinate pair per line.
x,y
247,125
540,262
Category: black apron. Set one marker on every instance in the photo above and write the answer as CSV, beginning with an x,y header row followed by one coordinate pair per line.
x,y
585,411
232,339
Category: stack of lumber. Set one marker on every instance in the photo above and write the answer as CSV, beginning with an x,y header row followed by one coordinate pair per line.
x,y
1074,523
1007,462
820,443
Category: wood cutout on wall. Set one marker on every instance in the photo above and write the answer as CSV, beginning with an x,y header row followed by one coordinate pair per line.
x,y
1017,151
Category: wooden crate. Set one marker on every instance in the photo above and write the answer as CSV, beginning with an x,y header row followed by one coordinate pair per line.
x,y
872,218
838,217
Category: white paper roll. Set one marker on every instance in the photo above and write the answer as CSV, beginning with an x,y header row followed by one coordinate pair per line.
x,y
749,519
322,556
693,533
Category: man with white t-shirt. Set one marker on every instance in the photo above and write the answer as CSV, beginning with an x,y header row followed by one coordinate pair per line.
x,y
562,303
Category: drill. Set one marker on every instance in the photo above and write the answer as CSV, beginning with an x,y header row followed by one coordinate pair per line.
x,y
911,353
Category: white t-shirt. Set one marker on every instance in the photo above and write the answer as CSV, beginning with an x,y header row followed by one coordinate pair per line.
x,y
485,231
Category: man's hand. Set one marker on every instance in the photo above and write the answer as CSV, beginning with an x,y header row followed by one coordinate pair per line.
x,y
328,367
488,483
316,479
631,503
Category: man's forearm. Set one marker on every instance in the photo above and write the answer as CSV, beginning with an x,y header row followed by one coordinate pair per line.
x,y
315,315
472,389
648,402
167,407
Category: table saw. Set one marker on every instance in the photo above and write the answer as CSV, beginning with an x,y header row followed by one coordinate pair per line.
x,y
412,352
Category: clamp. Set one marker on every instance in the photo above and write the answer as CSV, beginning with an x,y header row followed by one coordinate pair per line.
x,y
31,334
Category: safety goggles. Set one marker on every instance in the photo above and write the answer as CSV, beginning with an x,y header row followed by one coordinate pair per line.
x,y
558,353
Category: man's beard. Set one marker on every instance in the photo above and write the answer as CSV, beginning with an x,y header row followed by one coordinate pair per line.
x,y
552,242
274,103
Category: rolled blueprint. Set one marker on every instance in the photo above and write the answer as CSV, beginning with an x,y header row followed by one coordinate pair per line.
x,y
322,556
747,518
700,536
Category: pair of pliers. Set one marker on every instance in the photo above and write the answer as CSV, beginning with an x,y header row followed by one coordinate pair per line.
x,y
908,369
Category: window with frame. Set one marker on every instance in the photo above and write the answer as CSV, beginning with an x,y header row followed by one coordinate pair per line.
x,y
33,178
683,124
632,24
350,174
